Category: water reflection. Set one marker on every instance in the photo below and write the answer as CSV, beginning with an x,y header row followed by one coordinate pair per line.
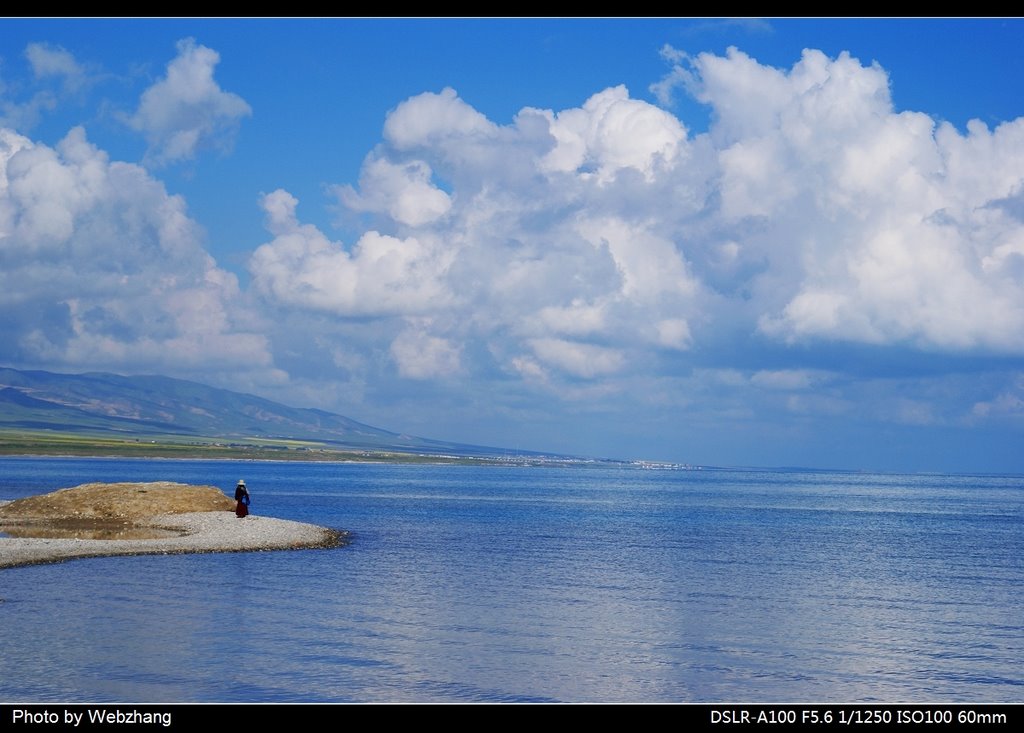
x,y
491,584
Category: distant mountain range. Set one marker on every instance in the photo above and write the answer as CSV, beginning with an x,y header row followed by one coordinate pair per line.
x,y
149,406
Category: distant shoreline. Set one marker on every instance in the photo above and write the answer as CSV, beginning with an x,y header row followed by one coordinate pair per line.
x,y
397,459
57,447
38,442
149,450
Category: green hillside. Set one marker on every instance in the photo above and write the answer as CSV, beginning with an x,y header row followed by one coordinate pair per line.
x,y
76,409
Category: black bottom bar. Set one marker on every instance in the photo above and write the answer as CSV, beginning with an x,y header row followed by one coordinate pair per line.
x,y
42,718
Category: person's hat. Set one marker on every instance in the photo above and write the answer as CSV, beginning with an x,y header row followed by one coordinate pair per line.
x,y
241,482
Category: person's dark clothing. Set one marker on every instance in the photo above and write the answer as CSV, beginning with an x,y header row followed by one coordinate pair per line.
x,y
241,501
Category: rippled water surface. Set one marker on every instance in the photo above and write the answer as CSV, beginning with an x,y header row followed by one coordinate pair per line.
x,y
540,584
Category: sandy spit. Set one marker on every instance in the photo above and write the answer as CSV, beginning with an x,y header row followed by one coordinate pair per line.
x,y
218,531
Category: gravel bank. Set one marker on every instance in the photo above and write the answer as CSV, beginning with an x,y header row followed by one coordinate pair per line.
x,y
218,531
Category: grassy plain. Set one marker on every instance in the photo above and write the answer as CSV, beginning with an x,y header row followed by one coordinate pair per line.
x,y
55,443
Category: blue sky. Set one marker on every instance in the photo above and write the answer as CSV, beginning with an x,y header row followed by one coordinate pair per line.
x,y
730,242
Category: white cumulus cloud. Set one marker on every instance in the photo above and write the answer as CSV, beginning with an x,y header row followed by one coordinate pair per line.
x,y
103,269
402,191
511,238
382,275
431,119
578,359
187,111
54,61
872,225
421,356
611,132
56,76
583,250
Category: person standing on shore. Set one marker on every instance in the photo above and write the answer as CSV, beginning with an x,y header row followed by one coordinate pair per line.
x,y
241,499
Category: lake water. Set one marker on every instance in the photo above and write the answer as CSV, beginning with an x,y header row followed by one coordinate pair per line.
x,y
540,584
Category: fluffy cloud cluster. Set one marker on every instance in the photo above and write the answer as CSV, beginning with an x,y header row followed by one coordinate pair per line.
x,y
101,268
187,111
900,225
530,241
596,241
383,275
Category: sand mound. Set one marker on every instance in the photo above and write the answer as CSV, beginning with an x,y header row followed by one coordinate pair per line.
x,y
118,502
94,520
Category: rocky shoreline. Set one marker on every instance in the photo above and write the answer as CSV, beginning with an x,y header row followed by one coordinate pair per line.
x,y
184,532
